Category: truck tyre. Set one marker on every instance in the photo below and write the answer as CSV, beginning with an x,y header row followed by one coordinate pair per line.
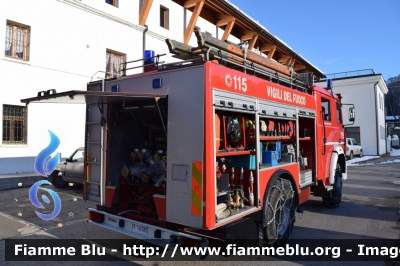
x,y
57,180
351,155
361,153
335,195
280,212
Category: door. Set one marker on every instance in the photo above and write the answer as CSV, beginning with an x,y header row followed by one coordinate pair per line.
x,y
327,129
74,168
356,147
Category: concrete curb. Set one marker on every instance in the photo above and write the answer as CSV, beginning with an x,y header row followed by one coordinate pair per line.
x,y
19,180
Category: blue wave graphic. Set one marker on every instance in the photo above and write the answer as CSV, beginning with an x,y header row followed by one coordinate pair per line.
x,y
45,153
52,163
46,199
35,201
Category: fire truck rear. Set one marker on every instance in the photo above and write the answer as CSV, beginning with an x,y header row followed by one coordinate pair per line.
x,y
212,147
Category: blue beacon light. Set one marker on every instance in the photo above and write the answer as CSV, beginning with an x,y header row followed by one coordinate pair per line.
x,y
329,83
157,83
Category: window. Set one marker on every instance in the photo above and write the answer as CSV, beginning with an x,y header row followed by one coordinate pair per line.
x,y
17,41
339,113
326,111
353,132
164,16
112,2
14,124
382,132
78,157
114,64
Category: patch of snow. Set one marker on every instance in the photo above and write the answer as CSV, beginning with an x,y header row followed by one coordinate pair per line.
x,y
396,182
397,128
394,161
364,158
395,136
365,164
395,152
355,161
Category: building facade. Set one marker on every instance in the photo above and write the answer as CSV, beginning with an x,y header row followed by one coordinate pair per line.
x,y
68,43
366,92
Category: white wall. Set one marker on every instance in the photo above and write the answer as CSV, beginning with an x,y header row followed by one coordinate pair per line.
x,y
380,90
68,45
360,92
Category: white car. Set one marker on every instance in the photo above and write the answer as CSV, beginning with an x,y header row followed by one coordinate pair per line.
x,y
70,171
353,148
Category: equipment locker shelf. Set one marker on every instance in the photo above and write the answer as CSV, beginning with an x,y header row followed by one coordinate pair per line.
x,y
274,138
236,162
232,153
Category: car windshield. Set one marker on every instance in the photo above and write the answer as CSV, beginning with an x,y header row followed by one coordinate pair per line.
x,y
78,156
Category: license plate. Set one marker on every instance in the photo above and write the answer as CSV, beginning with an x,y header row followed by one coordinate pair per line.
x,y
112,220
144,230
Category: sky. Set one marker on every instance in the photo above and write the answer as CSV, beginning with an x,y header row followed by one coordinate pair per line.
x,y
335,36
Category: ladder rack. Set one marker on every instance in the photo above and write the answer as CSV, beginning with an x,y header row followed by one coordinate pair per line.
x,y
237,57
230,55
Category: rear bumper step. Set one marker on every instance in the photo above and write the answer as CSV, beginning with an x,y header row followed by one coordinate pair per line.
x,y
139,230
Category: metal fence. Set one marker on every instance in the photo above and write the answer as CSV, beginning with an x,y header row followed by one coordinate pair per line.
x,y
355,73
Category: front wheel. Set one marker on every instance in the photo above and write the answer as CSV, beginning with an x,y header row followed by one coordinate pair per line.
x,y
361,153
351,155
280,212
335,195
57,180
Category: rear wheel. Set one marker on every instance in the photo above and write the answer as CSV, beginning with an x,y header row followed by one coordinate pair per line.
x,y
280,212
57,180
335,195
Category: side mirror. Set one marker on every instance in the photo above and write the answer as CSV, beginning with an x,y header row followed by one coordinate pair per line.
x,y
68,160
352,114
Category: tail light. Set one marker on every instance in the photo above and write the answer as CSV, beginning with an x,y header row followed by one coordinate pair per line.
x,y
96,217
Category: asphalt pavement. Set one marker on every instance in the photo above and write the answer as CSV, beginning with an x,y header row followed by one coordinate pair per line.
x,y
370,208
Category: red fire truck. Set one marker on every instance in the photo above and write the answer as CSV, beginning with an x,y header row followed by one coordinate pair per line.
x,y
208,149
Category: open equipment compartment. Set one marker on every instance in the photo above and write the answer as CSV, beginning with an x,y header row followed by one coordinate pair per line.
x,y
278,141
236,160
137,155
307,148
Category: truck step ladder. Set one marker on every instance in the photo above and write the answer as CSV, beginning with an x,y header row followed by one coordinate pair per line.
x,y
94,154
